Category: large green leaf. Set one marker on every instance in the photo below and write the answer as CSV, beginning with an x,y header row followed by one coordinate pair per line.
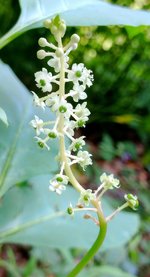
x,y
85,12
20,157
33,215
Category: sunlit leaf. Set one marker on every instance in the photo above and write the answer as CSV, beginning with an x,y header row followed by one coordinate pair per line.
x,y
49,225
20,157
76,13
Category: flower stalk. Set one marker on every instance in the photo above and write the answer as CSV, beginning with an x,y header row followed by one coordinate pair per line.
x,y
68,119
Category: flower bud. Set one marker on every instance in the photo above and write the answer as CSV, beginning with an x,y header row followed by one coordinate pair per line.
x,y
41,54
43,42
47,23
75,38
62,29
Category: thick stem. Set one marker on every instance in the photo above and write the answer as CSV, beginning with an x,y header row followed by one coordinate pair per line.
x,y
95,247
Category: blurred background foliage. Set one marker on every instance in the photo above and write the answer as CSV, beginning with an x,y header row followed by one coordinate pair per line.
x,y
119,128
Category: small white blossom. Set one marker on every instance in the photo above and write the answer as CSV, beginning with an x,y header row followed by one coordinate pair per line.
x,y
109,182
132,201
58,183
86,197
53,99
78,93
69,127
84,158
42,143
57,187
82,112
55,63
37,124
77,144
87,77
79,73
65,108
43,79
37,101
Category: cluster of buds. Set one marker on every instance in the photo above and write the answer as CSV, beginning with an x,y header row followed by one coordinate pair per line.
x,y
69,117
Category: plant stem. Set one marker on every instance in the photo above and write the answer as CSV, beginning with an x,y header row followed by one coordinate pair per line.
x,y
102,222
95,247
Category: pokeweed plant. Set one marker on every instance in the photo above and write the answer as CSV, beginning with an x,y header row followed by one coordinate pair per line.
x,y
71,83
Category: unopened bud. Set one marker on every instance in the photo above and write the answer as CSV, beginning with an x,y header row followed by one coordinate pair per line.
x,y
62,29
47,23
41,54
43,42
75,38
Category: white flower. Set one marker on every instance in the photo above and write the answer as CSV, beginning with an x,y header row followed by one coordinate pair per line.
x,y
77,144
65,108
79,73
84,158
86,197
37,101
78,93
42,143
37,124
55,63
53,99
87,77
75,73
132,201
69,127
61,178
57,187
82,112
58,183
44,79
109,182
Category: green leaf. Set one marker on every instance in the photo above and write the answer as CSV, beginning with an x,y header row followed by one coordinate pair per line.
x,y
106,271
76,13
32,215
3,116
20,157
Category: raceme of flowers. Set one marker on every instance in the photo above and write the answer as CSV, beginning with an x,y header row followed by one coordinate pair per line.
x,y
74,117
68,117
